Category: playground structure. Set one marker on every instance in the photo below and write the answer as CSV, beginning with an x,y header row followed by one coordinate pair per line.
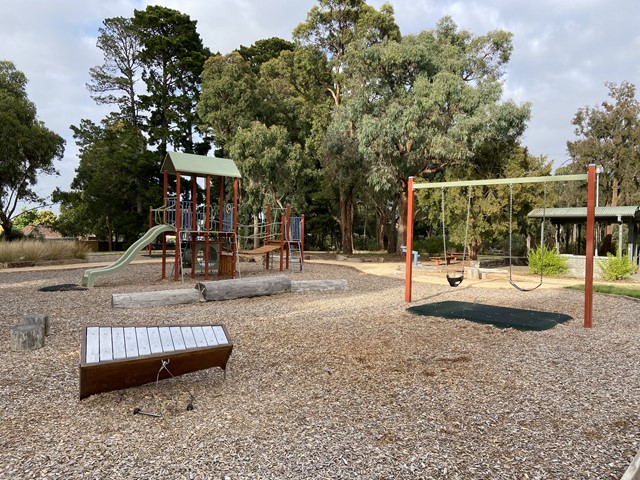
x,y
590,177
206,234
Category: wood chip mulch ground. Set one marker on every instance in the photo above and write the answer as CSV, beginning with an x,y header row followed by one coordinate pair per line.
x,y
331,385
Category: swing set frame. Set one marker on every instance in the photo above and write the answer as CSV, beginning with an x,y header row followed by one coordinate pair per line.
x,y
589,177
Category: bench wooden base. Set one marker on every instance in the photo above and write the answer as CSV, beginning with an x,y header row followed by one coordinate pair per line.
x,y
114,358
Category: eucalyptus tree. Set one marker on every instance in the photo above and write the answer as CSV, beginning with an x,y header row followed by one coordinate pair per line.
x,y
428,103
333,27
609,136
27,147
229,99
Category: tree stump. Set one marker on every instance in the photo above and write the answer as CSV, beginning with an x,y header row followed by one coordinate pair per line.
x,y
37,319
27,337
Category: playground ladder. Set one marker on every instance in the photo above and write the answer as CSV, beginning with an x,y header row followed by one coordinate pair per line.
x,y
295,256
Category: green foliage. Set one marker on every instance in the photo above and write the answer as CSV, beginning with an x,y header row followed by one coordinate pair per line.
x,y
617,267
27,147
34,217
38,251
609,135
432,245
554,264
114,183
431,103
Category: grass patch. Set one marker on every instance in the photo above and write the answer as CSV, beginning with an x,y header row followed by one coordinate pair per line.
x,y
41,250
611,289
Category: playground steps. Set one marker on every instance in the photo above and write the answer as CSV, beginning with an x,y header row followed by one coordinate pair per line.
x,y
113,358
295,256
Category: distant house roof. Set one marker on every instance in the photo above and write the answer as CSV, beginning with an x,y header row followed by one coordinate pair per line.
x,y
41,231
579,214
199,165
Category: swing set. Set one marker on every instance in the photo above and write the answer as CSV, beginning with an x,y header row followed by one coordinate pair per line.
x,y
458,277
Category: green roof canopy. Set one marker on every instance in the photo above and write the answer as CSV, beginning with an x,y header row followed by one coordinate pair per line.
x,y
199,165
579,214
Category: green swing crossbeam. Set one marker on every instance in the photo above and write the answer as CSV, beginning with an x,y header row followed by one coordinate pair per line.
x,y
502,181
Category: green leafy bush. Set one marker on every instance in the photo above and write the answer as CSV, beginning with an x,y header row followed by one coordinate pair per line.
x,y
554,263
429,245
617,268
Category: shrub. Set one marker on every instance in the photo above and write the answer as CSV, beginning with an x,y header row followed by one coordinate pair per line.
x,y
554,264
38,251
430,245
617,268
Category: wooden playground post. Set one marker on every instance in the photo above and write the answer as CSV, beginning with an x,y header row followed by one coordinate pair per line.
x,y
164,217
194,221
287,234
234,246
282,225
176,261
207,225
222,267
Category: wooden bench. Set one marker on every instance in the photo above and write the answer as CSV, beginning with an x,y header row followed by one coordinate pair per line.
x,y
113,358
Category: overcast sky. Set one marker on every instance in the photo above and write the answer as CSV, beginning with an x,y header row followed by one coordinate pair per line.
x,y
564,52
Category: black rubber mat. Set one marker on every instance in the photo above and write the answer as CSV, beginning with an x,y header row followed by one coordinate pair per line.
x,y
502,317
65,287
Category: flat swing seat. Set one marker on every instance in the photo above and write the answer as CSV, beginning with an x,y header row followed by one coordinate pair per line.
x,y
114,358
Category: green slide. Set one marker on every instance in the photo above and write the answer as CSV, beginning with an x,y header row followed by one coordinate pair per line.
x,y
89,276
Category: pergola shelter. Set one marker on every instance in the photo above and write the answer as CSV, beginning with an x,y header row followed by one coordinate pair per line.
x,y
200,224
577,216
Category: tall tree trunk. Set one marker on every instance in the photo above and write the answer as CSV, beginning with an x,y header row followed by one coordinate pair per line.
x,y
110,234
614,202
346,220
403,217
381,221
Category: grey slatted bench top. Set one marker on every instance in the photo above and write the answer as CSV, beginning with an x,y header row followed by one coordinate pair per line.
x,y
105,344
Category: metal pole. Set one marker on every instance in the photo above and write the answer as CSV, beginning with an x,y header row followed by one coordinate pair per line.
x,y
409,242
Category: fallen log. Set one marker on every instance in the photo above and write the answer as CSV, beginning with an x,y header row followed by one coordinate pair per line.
x,y
318,285
244,287
154,299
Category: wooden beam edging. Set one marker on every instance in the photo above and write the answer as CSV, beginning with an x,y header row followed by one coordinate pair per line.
x,y
633,471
